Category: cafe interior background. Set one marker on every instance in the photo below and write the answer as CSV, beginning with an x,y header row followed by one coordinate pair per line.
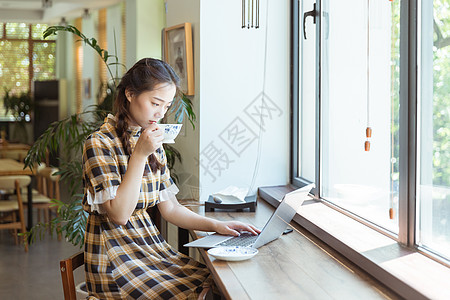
x,y
241,95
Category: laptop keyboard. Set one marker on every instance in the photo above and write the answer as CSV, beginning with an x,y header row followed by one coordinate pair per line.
x,y
244,240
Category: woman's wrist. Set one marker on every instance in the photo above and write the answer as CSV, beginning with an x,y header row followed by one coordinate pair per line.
x,y
139,157
215,225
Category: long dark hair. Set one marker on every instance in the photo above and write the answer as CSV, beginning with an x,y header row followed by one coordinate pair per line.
x,y
142,77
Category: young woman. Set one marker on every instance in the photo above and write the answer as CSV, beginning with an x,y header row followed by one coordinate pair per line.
x,y
125,172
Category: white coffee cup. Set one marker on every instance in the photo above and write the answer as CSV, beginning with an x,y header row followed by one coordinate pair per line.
x,y
171,131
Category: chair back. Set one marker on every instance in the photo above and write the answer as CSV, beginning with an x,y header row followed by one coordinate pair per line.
x,y
9,182
12,182
67,266
16,183
48,182
16,154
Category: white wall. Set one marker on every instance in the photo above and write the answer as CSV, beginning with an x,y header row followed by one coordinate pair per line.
x,y
90,61
230,61
65,72
144,22
64,66
114,37
131,32
181,11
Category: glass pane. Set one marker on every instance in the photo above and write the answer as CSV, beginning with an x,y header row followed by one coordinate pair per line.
x,y
44,61
14,64
434,128
37,32
1,30
359,90
307,94
17,31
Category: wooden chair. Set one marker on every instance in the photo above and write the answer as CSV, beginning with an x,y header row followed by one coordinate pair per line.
x,y
16,154
67,266
48,188
12,210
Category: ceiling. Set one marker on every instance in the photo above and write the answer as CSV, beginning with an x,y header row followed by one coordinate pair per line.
x,y
47,11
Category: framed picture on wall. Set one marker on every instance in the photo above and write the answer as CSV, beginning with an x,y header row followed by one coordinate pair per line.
x,y
177,52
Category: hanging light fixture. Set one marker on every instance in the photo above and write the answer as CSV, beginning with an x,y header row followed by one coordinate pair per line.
x,y
86,14
47,3
63,22
250,14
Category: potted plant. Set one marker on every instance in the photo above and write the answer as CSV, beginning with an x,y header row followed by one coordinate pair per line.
x,y
20,106
67,136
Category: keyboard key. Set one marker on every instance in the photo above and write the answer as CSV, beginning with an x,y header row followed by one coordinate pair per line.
x,y
244,240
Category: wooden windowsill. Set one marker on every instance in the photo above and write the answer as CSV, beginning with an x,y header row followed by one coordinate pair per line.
x,y
407,272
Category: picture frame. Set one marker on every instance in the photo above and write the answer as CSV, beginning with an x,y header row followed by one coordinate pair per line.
x,y
177,52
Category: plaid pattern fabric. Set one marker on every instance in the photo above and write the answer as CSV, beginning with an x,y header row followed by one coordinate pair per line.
x,y
131,261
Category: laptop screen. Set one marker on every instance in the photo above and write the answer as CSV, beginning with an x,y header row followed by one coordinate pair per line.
x,y
283,215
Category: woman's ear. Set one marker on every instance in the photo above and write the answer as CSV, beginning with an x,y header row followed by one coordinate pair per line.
x,y
129,95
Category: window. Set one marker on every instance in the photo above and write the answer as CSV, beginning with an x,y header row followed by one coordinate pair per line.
x,y
24,57
433,156
356,69
306,105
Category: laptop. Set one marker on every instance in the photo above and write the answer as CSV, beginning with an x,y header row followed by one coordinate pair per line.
x,y
273,229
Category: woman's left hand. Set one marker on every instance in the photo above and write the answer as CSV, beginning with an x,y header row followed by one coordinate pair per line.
x,y
235,228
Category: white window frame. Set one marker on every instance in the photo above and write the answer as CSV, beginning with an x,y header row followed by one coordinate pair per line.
x,y
408,120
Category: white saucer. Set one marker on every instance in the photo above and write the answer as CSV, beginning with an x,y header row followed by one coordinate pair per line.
x,y
234,253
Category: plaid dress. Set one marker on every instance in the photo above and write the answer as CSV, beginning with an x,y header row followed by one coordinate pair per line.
x,y
131,261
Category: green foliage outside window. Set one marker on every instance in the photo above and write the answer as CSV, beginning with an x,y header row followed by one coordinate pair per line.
x,y
441,93
16,41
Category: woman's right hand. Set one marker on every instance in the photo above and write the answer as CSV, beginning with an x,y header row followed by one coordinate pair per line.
x,y
150,140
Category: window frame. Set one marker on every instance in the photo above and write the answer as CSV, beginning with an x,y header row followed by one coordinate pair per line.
x,y
408,164
408,123
295,72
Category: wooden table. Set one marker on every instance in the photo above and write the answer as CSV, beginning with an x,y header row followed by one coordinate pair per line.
x,y
14,150
12,167
14,146
296,266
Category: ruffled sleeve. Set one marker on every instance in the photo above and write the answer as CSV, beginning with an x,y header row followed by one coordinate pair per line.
x,y
101,171
169,193
94,200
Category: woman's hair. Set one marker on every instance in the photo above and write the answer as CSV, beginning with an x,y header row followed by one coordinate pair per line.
x,y
142,77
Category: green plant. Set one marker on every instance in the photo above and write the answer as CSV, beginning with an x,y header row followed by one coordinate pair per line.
x,y
92,42
67,137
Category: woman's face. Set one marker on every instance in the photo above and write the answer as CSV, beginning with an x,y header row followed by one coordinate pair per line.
x,y
150,106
